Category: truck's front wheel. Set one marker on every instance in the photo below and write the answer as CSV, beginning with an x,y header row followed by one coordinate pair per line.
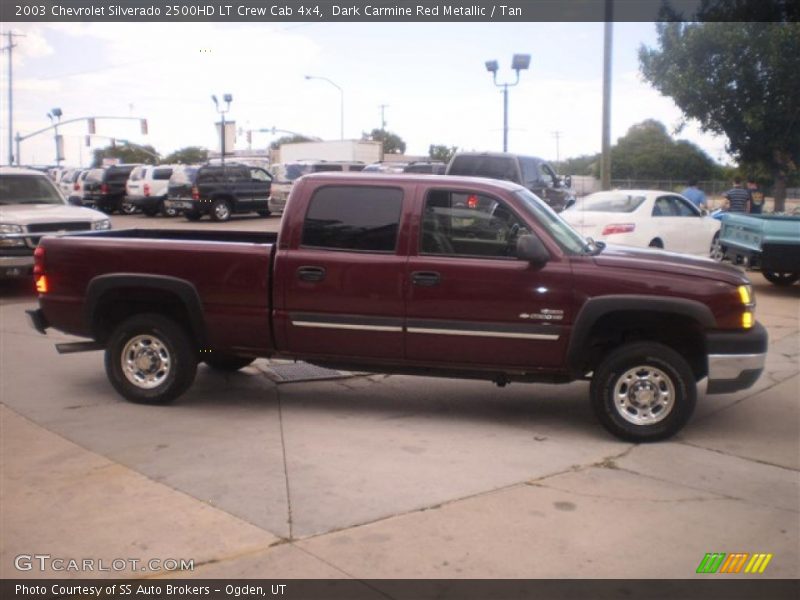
x,y
780,278
150,359
643,392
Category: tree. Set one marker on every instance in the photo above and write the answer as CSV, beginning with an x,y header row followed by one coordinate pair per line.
x,y
587,164
739,79
187,156
442,152
290,139
392,143
126,153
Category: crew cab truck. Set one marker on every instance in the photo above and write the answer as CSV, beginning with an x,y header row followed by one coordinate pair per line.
x,y
417,274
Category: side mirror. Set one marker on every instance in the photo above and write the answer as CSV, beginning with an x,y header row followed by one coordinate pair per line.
x,y
530,248
568,181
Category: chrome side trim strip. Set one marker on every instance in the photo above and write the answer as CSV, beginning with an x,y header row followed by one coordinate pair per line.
x,y
472,332
352,326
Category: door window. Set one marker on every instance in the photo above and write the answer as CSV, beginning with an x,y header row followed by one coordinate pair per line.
x,y
362,219
259,175
463,224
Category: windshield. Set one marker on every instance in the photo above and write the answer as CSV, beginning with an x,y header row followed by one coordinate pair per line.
x,y
295,171
616,202
566,237
28,189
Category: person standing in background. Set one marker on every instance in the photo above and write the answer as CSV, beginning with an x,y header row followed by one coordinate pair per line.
x,y
695,194
738,198
756,197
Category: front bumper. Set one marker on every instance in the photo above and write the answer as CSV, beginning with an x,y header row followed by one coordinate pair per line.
x,y
735,359
16,266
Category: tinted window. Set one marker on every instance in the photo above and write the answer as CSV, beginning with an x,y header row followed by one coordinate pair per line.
x,y
118,174
353,218
324,168
460,224
259,175
163,173
530,172
494,167
208,175
95,175
184,175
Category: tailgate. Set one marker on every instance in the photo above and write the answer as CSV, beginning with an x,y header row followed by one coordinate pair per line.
x,y
742,231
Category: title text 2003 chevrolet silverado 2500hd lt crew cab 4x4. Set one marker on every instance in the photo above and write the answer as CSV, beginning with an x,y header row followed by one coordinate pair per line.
x,y
430,275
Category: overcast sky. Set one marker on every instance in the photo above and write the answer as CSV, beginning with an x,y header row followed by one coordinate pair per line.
x,y
431,76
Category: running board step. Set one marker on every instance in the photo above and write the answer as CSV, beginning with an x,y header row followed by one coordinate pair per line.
x,y
74,347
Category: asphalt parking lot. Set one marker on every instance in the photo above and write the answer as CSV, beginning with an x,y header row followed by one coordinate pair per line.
x,y
386,476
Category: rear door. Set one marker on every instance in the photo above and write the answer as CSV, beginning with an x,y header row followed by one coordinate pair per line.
x,y
341,275
471,302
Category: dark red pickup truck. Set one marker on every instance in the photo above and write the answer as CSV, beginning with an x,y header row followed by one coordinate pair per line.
x,y
428,275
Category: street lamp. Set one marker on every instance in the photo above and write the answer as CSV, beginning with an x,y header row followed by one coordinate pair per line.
x,y
228,98
519,62
341,102
56,113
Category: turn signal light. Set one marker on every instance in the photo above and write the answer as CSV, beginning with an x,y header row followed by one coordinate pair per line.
x,y
747,320
745,294
42,285
618,228
195,193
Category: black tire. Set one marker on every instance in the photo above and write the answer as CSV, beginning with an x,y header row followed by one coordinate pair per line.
x,y
779,278
656,243
126,208
228,363
263,213
171,354
221,211
192,215
167,212
716,250
150,212
663,380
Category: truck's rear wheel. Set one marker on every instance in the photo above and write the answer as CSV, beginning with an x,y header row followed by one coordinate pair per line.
x,y
228,363
150,359
643,392
780,279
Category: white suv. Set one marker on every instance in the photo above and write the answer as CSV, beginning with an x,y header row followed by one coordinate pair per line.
x,y
147,189
31,206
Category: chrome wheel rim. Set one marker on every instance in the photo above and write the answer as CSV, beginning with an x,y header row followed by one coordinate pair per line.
x,y
716,250
146,361
644,395
221,211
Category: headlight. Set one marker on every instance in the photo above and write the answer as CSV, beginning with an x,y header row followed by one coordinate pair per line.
x,y
9,229
99,225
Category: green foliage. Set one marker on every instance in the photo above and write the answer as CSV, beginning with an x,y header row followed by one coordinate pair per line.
x,y
392,143
648,152
126,153
441,152
587,164
189,155
739,79
290,139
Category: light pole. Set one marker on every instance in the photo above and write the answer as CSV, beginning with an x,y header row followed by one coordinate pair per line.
x,y
519,62
341,102
56,114
228,98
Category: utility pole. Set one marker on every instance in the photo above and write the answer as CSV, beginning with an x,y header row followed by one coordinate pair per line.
x,y
10,48
383,116
557,135
605,161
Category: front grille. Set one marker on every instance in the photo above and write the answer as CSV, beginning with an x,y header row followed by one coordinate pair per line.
x,y
55,228
50,227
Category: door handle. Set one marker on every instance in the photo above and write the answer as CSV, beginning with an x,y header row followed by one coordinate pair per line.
x,y
425,278
311,273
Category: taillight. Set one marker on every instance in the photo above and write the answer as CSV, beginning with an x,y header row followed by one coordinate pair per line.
x,y
146,189
472,201
76,186
39,275
195,193
618,228
103,188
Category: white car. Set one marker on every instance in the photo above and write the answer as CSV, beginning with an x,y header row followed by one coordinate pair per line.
x,y
32,206
147,187
646,218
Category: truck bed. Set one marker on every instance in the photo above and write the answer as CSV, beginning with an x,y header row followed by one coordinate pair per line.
x,y
228,272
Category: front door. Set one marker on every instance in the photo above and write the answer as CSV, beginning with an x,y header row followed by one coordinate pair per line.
x,y
471,302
